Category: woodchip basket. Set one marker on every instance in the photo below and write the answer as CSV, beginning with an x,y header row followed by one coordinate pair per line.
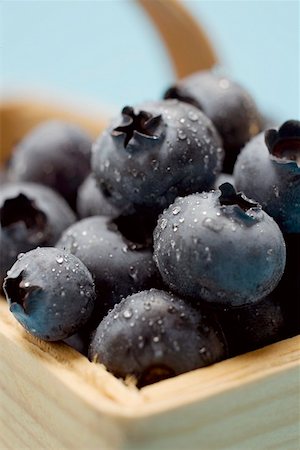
x,y
53,398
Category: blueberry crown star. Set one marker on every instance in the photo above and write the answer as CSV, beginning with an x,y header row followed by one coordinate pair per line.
x,y
142,123
285,143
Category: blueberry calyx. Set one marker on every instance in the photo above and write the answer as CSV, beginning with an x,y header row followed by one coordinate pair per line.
x,y
138,125
284,144
20,211
229,196
19,291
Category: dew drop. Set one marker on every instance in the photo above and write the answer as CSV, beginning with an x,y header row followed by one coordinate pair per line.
x,y
212,224
117,176
176,210
276,191
59,259
193,116
181,135
127,314
163,223
133,272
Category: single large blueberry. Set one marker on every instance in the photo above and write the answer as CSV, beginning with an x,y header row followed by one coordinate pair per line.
x,y
118,266
227,104
268,170
154,152
56,154
219,246
30,215
50,292
154,335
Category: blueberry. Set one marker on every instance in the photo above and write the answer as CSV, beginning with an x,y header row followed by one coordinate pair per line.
x,y
118,266
79,342
50,292
227,104
219,246
92,202
154,335
30,215
287,293
56,154
253,326
268,169
154,152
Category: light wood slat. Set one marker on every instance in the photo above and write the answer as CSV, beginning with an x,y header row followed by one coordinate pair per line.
x,y
248,401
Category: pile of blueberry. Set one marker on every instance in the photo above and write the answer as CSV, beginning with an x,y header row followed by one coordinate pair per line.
x,y
169,244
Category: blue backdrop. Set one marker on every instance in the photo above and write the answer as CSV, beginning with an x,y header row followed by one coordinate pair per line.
x,y
107,51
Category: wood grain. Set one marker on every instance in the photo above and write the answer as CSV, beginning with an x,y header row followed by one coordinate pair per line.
x,y
53,397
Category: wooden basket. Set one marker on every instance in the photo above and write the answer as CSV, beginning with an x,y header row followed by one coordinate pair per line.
x,y
53,398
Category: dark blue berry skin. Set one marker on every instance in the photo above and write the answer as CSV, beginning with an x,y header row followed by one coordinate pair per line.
x,y
220,247
272,176
154,335
50,292
154,152
119,267
79,342
92,202
56,154
30,215
227,104
253,326
287,293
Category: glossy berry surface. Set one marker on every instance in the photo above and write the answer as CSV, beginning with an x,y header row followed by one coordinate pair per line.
x,y
268,169
118,266
92,202
50,292
30,215
154,335
227,104
154,152
56,154
220,247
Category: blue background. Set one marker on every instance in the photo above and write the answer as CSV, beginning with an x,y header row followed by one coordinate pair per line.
x,y
108,53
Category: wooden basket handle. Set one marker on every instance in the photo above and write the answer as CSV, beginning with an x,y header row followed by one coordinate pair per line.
x,y
186,42
189,51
